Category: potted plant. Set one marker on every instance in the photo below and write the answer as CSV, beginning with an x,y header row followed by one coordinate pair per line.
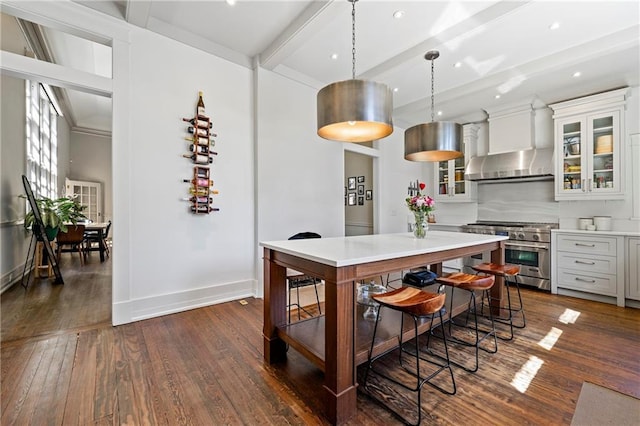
x,y
56,214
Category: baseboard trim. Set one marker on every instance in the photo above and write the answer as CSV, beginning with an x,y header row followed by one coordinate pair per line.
x,y
10,278
165,304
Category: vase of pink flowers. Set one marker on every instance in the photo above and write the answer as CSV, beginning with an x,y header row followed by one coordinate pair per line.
x,y
420,205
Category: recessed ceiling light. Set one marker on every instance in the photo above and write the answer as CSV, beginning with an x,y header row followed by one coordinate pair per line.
x,y
457,64
554,26
395,89
497,96
577,74
439,112
398,14
334,56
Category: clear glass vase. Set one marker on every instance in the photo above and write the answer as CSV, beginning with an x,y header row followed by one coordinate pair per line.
x,y
421,225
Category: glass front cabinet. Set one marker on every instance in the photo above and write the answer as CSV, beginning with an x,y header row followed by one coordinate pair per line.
x,y
589,147
449,175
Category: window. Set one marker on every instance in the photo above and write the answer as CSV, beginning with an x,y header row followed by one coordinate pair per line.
x,y
42,140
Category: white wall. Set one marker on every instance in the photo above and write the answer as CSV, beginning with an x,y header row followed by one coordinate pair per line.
x,y
298,174
180,260
90,160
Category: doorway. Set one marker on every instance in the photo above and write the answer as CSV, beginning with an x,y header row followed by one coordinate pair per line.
x,y
359,189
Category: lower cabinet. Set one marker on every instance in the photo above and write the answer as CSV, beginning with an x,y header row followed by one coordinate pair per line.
x,y
632,290
588,265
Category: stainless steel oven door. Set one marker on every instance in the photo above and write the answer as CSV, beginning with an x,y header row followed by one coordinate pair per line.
x,y
533,258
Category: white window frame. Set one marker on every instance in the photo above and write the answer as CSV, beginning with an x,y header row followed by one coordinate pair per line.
x,y
41,139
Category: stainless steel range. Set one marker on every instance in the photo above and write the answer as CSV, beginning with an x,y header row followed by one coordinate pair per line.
x,y
528,246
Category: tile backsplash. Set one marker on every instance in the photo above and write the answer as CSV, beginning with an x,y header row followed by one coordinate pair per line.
x,y
518,202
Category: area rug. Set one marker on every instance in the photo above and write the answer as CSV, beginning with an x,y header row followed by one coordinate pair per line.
x,y
601,406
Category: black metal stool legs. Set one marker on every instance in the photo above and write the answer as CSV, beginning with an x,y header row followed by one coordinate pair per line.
x,y
420,381
511,310
472,309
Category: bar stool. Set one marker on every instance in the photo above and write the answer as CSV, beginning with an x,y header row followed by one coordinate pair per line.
x,y
417,304
471,283
506,271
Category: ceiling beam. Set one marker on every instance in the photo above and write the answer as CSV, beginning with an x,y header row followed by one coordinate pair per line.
x,y
23,67
483,17
137,12
312,19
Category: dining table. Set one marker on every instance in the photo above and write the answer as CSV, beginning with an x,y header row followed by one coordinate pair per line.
x,y
100,228
339,340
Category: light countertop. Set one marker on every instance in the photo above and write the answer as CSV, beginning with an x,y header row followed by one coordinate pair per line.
x,y
345,251
596,233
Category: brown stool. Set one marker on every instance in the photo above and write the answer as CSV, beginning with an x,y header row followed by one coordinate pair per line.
x,y
471,283
418,304
508,272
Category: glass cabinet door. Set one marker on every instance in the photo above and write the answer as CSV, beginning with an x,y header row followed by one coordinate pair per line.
x,y
572,150
443,178
603,155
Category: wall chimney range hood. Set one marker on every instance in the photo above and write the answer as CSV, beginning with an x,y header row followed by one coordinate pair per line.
x,y
519,166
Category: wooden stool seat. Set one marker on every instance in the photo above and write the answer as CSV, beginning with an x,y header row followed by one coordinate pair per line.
x,y
495,269
412,301
467,281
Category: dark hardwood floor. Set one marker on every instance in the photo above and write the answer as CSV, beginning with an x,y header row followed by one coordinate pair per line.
x,y
62,363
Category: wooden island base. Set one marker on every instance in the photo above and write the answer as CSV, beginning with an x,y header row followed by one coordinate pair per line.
x,y
338,341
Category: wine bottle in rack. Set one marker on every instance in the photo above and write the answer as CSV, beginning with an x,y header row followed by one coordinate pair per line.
x,y
201,172
202,191
201,158
199,122
202,140
200,107
199,182
198,131
203,208
199,149
199,199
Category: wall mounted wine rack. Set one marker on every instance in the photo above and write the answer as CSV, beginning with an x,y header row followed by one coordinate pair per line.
x,y
201,142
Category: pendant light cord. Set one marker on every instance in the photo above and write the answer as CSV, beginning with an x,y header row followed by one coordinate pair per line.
x,y
353,38
432,96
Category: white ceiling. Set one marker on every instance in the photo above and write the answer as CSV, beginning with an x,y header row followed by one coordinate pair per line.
x,y
504,47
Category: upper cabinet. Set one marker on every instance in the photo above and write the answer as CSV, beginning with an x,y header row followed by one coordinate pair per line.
x,y
589,142
449,175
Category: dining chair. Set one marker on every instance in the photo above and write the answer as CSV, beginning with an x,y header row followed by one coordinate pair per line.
x,y
93,237
296,280
71,241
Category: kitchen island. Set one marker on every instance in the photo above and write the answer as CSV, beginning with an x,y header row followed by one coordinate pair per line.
x,y
337,341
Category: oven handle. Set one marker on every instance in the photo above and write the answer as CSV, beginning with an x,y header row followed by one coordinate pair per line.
x,y
512,245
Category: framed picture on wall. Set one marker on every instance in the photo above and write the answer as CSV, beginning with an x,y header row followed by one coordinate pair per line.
x,y
360,179
351,183
352,199
369,194
361,201
360,189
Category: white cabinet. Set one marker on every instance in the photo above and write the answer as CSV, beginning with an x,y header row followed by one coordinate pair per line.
x,y
589,147
632,261
588,264
449,175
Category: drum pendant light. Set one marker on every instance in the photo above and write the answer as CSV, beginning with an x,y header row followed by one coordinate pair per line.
x,y
435,141
354,110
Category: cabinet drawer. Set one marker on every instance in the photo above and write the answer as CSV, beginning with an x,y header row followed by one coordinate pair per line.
x,y
587,244
587,263
592,283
